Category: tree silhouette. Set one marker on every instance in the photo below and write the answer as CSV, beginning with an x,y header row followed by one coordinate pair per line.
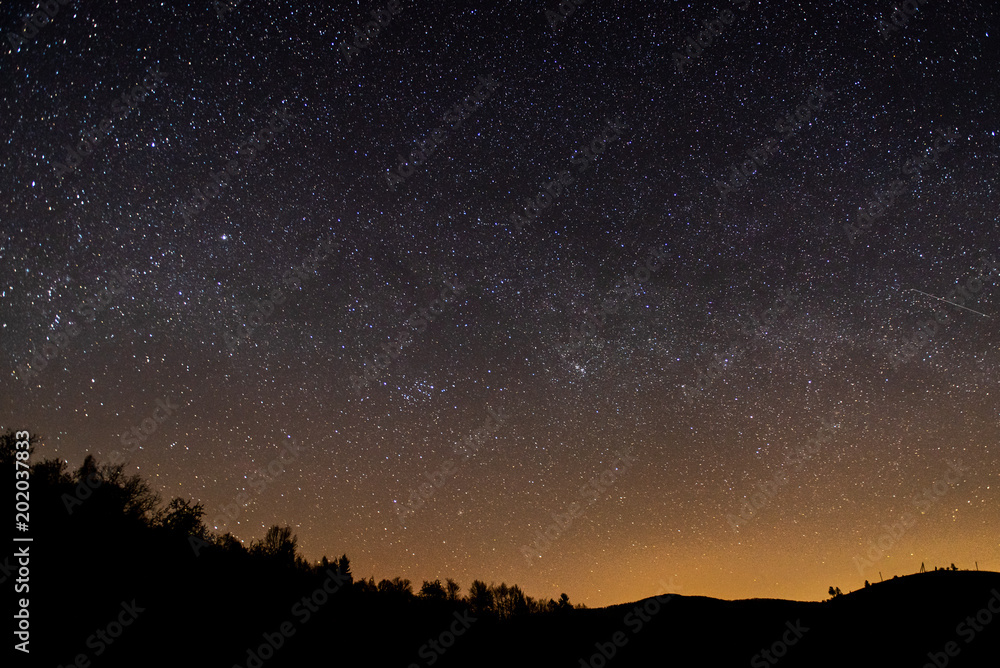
x,y
88,469
228,543
278,545
403,586
453,589
509,601
399,587
50,472
119,515
9,449
180,517
481,598
501,601
116,493
518,602
433,591
366,586
344,568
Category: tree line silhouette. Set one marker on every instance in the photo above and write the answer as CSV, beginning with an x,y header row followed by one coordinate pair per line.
x,y
101,500
104,541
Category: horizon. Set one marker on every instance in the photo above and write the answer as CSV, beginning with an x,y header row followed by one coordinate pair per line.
x,y
577,296
661,586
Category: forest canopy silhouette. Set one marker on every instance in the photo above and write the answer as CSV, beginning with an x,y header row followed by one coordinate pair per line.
x,y
121,576
124,539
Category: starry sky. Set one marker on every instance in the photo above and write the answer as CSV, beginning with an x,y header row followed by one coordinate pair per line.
x,y
666,341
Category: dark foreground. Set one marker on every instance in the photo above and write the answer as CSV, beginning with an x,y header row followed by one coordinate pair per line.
x,y
112,578
213,614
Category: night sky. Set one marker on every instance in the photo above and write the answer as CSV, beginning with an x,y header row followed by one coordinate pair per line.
x,y
574,297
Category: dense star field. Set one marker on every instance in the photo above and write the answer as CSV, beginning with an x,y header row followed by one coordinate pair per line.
x,y
588,297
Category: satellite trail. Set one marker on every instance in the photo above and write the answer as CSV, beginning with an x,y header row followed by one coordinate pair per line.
x,y
948,302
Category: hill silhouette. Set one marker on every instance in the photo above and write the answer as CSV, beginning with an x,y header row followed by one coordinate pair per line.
x,y
117,578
